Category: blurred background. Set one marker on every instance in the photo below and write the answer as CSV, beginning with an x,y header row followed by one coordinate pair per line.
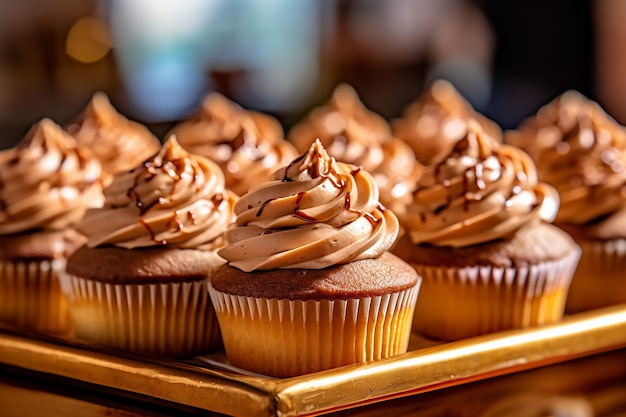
x,y
156,59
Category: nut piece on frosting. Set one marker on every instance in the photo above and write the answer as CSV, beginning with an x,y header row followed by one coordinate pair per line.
x,y
439,116
581,151
247,145
356,135
314,213
119,143
47,181
174,199
475,190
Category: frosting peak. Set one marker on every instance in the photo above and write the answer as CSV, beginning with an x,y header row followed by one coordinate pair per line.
x,y
581,151
119,143
247,145
314,213
47,181
174,199
476,192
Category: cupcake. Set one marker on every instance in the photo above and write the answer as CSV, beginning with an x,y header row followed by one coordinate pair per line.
x,y
139,284
439,113
581,151
310,284
356,135
247,145
478,233
47,182
119,143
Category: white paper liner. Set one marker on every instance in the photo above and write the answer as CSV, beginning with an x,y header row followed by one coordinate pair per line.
x,y
293,337
170,319
456,303
31,297
600,279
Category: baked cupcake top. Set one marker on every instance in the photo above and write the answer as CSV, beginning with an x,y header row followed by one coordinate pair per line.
x,y
47,181
119,143
248,145
475,190
314,213
440,114
581,151
174,199
356,135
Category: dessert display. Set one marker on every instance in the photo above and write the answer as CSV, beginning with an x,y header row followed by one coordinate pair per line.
x,y
247,145
139,283
47,182
581,151
478,233
118,142
310,283
356,135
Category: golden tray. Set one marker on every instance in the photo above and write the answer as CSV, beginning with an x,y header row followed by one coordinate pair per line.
x,y
209,383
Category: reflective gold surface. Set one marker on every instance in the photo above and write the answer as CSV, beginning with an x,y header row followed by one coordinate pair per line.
x,y
209,383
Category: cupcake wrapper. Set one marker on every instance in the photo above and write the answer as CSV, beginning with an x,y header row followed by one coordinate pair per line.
x,y
31,297
600,279
169,319
293,337
456,303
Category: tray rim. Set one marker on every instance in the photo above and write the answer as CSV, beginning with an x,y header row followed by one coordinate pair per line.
x,y
217,389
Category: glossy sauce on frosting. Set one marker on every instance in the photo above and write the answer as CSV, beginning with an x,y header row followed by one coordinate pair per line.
x,y
475,191
249,146
174,199
581,151
47,181
119,143
314,213
355,135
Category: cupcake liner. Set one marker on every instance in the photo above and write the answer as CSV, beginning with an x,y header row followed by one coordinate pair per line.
x,y
456,303
600,279
280,337
169,319
31,296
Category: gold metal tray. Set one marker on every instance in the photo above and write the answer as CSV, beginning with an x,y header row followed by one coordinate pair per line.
x,y
209,383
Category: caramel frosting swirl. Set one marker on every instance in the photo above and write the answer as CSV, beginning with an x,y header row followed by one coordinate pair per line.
x,y
439,116
314,213
119,143
47,181
581,151
174,199
247,145
356,135
478,192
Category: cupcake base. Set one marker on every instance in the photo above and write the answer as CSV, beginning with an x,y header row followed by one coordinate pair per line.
x,y
167,319
31,296
284,338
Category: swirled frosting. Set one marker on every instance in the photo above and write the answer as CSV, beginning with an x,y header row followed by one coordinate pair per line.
x,y
355,135
249,146
476,191
314,213
174,199
119,143
47,181
439,115
581,151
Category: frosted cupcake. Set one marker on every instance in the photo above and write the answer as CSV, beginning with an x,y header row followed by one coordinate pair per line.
x,y
310,284
247,145
119,143
356,135
139,284
478,233
581,151
47,182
